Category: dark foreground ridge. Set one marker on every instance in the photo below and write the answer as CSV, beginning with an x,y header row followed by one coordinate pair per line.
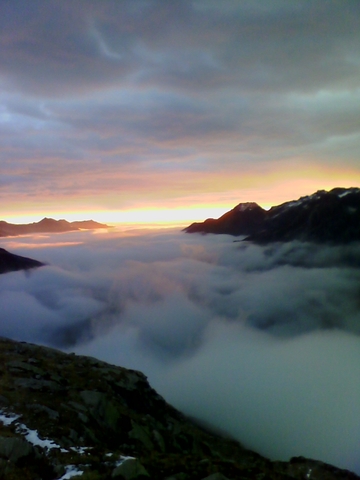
x,y
47,225
66,416
325,217
9,262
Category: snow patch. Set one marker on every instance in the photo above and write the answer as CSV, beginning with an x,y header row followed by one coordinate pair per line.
x,y
296,203
123,459
30,435
80,450
8,419
71,471
348,191
242,207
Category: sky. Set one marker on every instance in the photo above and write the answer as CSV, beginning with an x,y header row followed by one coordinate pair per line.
x,y
260,342
174,110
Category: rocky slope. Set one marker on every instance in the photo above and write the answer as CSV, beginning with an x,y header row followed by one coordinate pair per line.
x,y
47,225
64,416
9,262
324,217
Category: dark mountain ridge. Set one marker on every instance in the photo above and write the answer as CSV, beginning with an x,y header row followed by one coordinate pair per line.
x,y
63,415
324,217
47,225
9,262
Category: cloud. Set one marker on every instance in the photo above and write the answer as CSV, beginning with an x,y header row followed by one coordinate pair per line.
x,y
97,96
280,397
90,45
261,342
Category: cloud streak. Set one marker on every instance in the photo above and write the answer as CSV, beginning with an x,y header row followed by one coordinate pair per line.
x,y
261,342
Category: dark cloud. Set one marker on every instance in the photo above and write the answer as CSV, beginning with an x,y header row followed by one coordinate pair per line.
x,y
90,89
262,342
56,48
48,49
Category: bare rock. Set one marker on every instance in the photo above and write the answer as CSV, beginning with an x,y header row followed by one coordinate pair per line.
x,y
13,448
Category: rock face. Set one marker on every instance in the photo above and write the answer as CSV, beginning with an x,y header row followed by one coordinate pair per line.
x,y
47,225
325,217
65,416
10,262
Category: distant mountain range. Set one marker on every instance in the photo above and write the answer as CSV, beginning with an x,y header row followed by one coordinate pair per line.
x,y
47,225
10,262
323,217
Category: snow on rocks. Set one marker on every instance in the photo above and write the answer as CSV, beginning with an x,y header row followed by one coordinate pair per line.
x,y
8,419
31,436
71,471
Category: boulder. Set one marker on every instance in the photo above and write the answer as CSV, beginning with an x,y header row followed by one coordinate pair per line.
x,y
13,448
130,469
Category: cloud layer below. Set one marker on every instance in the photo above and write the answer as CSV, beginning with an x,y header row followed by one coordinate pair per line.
x,y
260,342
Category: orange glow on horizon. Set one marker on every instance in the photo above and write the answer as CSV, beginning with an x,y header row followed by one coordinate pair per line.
x,y
139,216
211,197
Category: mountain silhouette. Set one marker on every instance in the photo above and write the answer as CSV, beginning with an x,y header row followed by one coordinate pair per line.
x,y
47,225
9,262
324,217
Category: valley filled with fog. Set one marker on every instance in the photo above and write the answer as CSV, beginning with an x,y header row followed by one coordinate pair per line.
x,y
262,343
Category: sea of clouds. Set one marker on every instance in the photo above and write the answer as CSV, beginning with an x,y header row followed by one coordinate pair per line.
x,y
260,342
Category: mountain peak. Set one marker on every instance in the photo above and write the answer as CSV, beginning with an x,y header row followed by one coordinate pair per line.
x,y
242,207
324,217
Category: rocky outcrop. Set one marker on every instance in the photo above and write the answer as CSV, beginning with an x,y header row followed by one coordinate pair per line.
x,y
47,225
63,415
324,217
9,262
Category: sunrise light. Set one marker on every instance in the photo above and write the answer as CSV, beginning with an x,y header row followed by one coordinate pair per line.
x,y
135,119
153,216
